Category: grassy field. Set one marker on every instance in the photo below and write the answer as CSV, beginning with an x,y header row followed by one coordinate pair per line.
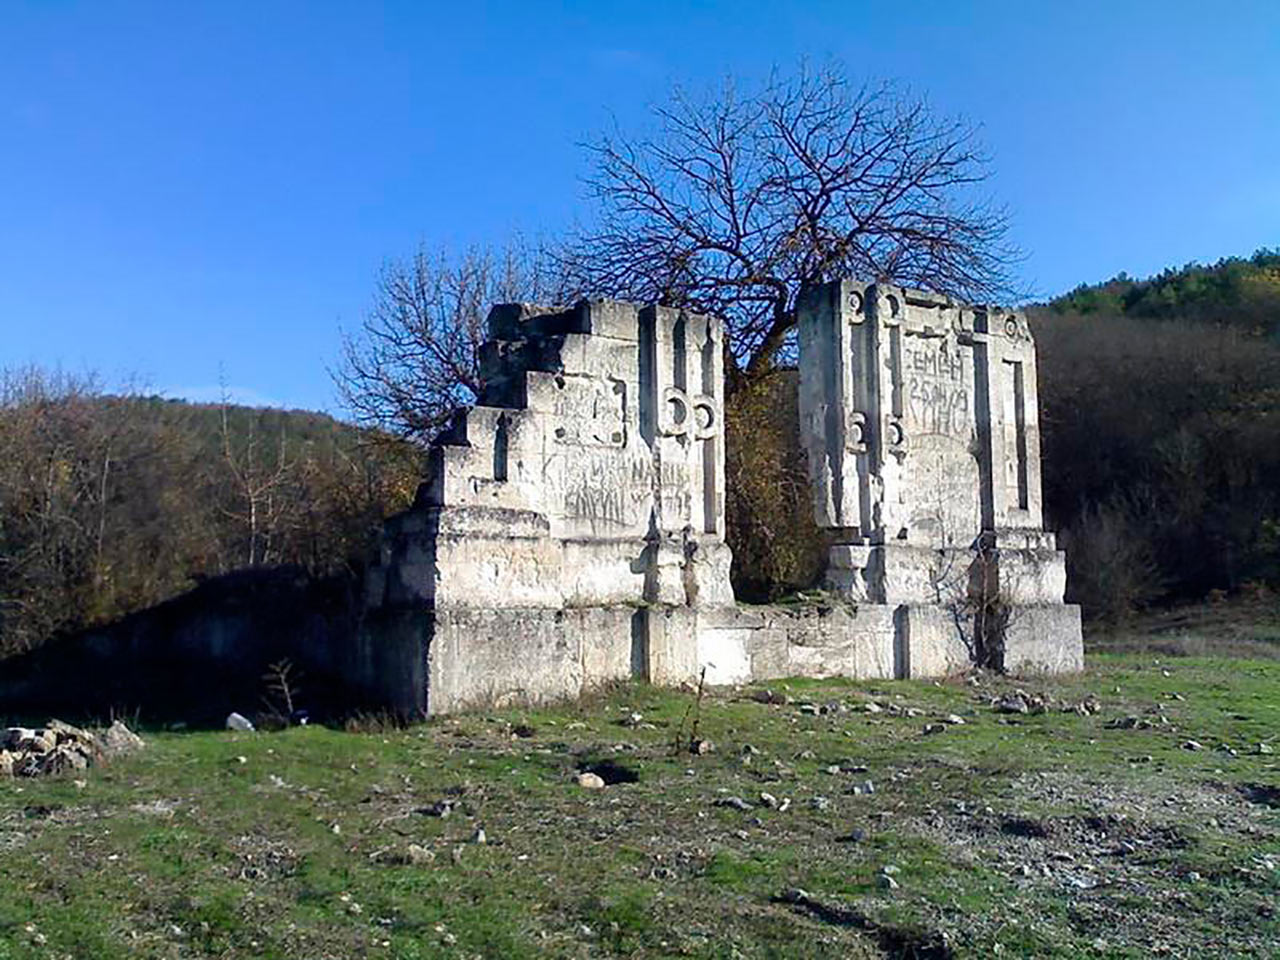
x,y
825,822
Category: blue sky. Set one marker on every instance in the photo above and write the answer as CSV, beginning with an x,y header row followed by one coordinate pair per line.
x,y
195,192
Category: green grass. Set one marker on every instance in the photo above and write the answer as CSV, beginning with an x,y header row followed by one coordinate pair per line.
x,y
296,844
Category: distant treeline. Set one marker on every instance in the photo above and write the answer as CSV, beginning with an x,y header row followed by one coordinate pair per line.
x,y
109,504
1236,292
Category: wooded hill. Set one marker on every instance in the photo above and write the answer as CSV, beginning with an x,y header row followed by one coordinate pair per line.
x,y
109,504
1235,292
1160,407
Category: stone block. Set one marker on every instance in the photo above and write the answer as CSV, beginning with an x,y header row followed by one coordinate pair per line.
x,y
1044,639
934,639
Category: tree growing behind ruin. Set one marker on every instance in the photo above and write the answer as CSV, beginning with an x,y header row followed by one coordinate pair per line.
x,y
413,359
737,200
729,207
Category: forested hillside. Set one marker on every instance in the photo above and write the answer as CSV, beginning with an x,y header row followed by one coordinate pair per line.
x,y
1160,408
1235,292
112,503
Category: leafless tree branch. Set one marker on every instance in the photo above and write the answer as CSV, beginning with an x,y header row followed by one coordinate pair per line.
x,y
737,202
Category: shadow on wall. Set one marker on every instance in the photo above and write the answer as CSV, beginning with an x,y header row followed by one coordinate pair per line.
x,y
202,655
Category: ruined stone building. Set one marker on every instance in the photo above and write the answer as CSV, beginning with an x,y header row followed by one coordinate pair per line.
x,y
571,531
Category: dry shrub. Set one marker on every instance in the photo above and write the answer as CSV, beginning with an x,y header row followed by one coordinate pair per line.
x,y
777,546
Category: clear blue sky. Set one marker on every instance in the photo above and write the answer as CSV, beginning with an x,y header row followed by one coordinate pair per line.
x,y
194,190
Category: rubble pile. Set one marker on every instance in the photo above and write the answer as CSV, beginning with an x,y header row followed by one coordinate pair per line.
x,y
59,748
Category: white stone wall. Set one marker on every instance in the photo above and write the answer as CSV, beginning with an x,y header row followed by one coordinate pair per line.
x,y
587,484
921,428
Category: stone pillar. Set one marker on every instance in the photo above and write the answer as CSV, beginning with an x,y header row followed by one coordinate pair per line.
x,y
920,425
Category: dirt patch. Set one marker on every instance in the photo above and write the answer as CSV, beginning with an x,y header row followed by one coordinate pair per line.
x,y
1024,827
899,943
611,771
1263,794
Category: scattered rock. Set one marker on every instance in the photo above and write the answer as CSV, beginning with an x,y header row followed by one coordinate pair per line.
x,y
955,719
1130,723
1014,704
1265,749
66,758
441,809
873,708
701,747
770,696
930,728
591,781
12,737
1192,745
414,855
156,808
611,772
118,740
860,789
6,763
479,836
236,721
821,804
737,803
887,882
769,800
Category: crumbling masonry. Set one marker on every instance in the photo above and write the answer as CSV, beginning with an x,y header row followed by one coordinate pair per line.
x,y
571,531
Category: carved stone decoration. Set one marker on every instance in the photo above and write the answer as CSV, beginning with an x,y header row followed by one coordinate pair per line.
x,y
687,415
609,414
855,439
895,436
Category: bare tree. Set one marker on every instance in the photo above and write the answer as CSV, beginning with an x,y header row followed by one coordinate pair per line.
x,y
260,489
738,201
414,357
